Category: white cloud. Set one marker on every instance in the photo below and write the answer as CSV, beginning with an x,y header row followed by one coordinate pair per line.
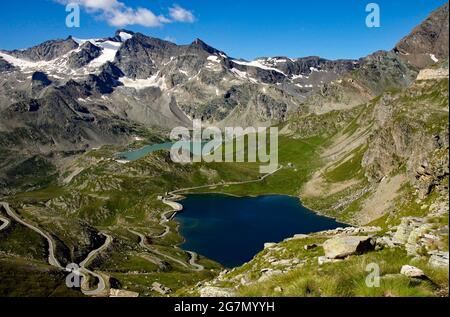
x,y
117,13
180,14
139,16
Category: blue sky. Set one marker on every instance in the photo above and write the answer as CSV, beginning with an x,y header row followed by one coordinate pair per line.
x,y
245,29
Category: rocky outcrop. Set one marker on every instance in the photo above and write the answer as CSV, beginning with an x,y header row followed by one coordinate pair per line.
x,y
430,74
341,247
420,237
403,136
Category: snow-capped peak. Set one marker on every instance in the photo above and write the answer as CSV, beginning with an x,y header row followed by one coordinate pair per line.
x,y
125,35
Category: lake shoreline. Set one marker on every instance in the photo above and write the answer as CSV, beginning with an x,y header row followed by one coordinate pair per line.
x,y
206,219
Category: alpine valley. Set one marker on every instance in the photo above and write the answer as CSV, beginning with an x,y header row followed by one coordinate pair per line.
x,y
365,142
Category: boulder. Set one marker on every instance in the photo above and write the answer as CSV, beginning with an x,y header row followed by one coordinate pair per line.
x,y
310,246
341,247
439,259
278,289
412,271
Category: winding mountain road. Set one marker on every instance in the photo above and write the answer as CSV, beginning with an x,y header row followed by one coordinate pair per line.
x,y
101,287
5,223
51,251
193,261
163,222
51,244
153,250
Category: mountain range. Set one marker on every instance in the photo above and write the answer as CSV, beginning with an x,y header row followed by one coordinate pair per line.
x,y
101,88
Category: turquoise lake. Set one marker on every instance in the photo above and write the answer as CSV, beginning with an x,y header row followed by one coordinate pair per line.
x,y
146,150
232,230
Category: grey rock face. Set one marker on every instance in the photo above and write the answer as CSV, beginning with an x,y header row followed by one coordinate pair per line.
x,y
102,84
57,122
307,65
47,51
39,81
430,37
139,56
5,66
87,53
267,274
41,78
401,134
384,70
106,81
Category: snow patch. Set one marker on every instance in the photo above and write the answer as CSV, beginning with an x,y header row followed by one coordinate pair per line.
x,y
434,58
214,59
58,66
258,64
109,51
184,72
294,77
139,84
124,36
55,66
243,75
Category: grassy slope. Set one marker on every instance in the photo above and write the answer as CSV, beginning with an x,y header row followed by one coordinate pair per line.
x,y
341,279
303,154
25,278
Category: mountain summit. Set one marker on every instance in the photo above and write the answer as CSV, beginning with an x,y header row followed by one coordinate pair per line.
x,y
428,42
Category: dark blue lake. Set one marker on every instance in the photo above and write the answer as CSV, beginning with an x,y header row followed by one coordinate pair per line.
x,y
232,230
